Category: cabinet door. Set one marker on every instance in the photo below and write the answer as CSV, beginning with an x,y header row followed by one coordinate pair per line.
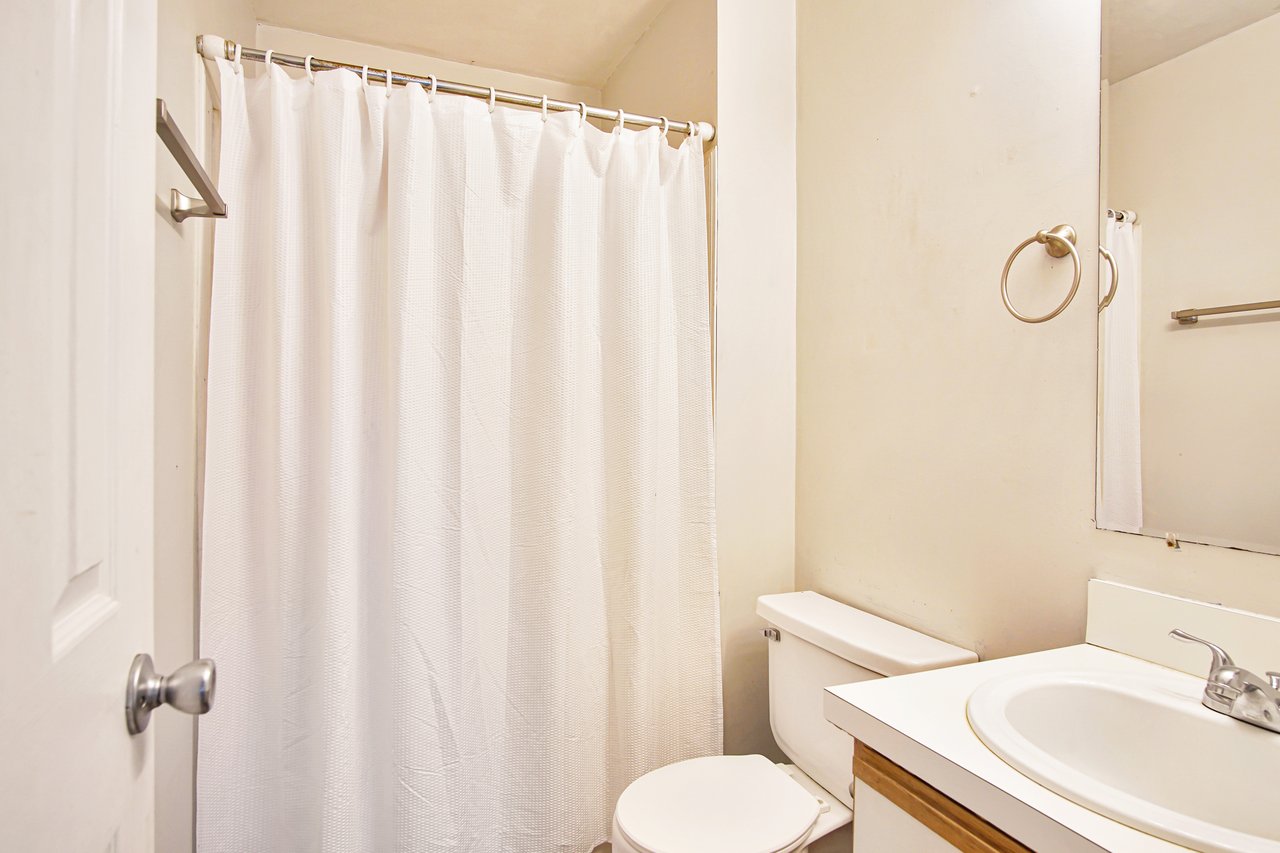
x,y
894,810
881,827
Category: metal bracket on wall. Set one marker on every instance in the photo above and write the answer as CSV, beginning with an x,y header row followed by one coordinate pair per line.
x,y
181,206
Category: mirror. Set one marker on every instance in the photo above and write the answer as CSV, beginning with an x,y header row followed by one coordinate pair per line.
x,y
1189,413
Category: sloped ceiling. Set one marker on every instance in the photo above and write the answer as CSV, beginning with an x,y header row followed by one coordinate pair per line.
x,y
576,41
1141,34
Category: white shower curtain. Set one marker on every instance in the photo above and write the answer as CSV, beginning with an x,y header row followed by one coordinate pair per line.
x,y
458,549
1119,481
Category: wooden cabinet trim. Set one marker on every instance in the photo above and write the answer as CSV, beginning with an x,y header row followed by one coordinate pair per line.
x,y
949,820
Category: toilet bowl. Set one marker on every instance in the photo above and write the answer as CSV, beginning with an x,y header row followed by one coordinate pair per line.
x,y
748,804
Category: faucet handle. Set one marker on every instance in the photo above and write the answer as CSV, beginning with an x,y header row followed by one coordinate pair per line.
x,y
1220,657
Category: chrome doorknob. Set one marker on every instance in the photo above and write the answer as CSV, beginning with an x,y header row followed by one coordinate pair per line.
x,y
189,689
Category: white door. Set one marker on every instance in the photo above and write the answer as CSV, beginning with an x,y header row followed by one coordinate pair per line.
x,y
77,200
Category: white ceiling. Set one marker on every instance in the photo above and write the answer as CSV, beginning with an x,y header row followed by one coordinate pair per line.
x,y
576,41
1140,34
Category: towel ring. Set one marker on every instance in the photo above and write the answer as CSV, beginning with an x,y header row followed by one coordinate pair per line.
x,y
1115,278
1058,242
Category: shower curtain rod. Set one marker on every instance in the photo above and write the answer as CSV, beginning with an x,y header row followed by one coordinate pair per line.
x,y
216,47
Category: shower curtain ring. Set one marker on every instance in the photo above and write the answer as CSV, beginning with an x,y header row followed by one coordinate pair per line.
x,y
311,75
239,66
666,126
582,114
266,59
431,93
544,107
493,98
622,119
390,82
364,75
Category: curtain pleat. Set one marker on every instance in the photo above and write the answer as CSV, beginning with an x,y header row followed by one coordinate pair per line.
x,y
458,553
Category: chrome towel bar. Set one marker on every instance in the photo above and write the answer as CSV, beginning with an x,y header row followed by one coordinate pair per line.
x,y
1187,316
181,206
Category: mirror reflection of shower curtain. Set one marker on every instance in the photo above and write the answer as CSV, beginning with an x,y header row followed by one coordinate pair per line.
x,y
1119,499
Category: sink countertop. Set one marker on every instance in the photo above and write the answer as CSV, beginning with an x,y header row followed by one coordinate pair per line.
x,y
919,722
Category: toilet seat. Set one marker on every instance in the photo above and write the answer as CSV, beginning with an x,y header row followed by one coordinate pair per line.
x,y
719,804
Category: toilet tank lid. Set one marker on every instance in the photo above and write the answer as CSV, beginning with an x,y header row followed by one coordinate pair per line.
x,y
859,637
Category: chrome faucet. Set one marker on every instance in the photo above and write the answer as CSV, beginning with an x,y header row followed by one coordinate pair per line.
x,y
1237,692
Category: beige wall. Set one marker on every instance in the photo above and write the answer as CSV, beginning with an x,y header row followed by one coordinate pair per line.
x,y
324,47
946,451
671,70
1192,151
182,267
756,346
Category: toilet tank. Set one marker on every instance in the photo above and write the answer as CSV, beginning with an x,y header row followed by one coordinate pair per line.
x,y
820,642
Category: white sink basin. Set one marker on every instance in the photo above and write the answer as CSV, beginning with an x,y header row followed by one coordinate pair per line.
x,y
1141,750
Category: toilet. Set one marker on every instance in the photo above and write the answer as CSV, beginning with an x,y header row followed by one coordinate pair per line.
x,y
748,804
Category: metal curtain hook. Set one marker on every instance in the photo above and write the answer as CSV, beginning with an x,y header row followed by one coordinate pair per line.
x,y
311,75
493,98
1058,242
544,107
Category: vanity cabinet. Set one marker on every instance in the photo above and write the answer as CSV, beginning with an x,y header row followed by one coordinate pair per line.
x,y
895,810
